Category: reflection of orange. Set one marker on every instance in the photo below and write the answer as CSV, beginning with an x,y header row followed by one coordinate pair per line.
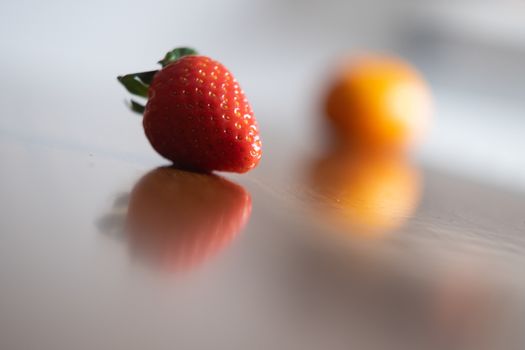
x,y
177,219
380,103
368,194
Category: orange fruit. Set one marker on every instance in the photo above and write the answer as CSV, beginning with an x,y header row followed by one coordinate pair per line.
x,y
379,102
366,194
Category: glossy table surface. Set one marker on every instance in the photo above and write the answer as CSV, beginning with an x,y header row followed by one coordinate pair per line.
x,y
73,277
308,251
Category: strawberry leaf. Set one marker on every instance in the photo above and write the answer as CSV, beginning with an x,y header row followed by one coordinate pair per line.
x,y
175,54
137,107
133,84
146,77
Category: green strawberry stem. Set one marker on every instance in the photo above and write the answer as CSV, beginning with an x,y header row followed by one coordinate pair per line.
x,y
138,83
137,107
175,54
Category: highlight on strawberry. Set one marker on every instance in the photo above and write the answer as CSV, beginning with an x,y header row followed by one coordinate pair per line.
x,y
196,114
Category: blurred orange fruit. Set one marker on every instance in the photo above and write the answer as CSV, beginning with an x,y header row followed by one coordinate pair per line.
x,y
366,194
178,219
379,102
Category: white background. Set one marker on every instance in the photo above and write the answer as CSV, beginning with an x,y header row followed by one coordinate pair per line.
x,y
60,58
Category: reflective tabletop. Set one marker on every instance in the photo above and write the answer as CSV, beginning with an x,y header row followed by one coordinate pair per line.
x,y
104,251
104,246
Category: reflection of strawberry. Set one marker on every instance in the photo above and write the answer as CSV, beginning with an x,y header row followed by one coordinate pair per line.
x,y
177,219
197,115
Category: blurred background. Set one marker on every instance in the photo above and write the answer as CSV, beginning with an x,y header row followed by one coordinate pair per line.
x,y
72,153
471,52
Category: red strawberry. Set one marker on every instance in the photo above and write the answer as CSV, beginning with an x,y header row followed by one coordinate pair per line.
x,y
177,219
197,115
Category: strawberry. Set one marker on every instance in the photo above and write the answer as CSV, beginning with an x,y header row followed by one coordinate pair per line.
x,y
177,219
197,115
